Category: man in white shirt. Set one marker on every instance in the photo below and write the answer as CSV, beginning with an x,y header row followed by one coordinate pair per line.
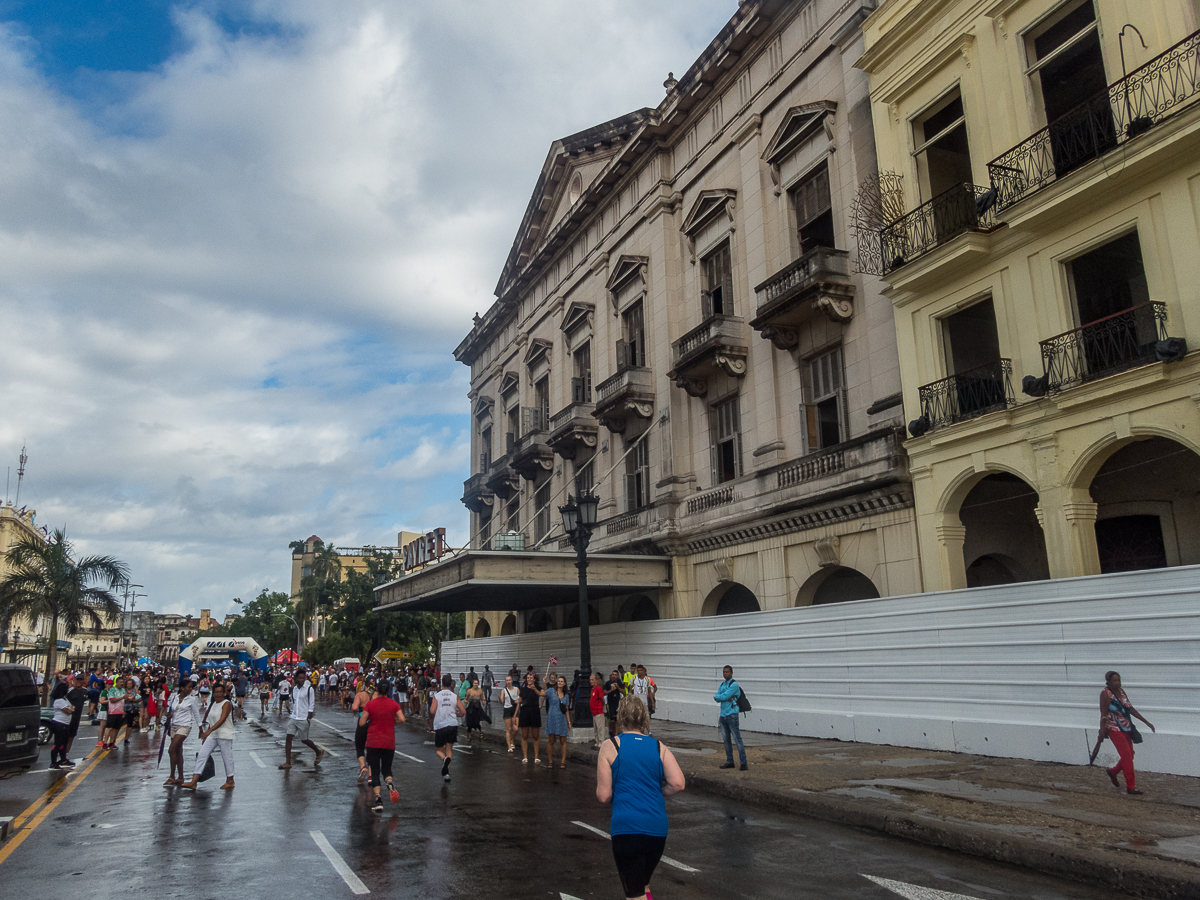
x,y
445,707
303,705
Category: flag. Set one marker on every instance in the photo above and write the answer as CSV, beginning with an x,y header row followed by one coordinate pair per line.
x,y
554,660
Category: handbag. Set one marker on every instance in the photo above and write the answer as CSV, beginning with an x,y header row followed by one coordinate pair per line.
x,y
1134,735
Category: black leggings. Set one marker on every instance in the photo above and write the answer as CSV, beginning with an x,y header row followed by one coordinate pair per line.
x,y
637,856
62,737
381,758
360,740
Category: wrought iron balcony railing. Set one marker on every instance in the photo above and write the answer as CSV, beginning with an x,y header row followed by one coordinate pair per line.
x,y
965,395
1121,341
1128,108
965,207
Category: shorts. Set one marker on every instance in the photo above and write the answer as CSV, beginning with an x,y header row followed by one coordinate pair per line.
x,y
637,856
298,727
509,712
530,718
115,722
181,731
444,736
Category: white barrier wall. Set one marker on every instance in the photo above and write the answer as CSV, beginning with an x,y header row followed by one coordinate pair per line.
x,y
1010,671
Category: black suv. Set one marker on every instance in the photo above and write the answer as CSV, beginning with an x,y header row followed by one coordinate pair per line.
x,y
20,717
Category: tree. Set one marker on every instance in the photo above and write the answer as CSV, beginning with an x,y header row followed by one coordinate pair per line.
x,y
44,580
260,622
316,589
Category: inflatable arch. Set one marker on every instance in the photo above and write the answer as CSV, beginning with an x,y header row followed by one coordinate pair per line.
x,y
236,650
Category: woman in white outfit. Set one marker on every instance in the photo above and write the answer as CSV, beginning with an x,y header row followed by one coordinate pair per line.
x,y
183,713
218,736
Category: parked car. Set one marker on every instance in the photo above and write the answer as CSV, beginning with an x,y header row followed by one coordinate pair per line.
x,y
20,717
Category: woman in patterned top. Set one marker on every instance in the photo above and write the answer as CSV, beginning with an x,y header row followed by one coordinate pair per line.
x,y
1115,714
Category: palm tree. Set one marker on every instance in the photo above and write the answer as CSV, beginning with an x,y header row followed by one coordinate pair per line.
x,y
326,567
44,580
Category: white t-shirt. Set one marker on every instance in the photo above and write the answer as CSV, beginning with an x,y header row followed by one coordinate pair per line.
x,y
321,680
284,688
184,713
302,700
509,695
63,711
640,687
226,729
447,709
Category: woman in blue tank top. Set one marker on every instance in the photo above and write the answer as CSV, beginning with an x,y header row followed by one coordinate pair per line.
x,y
636,773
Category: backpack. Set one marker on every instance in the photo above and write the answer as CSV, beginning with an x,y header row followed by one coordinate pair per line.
x,y
743,702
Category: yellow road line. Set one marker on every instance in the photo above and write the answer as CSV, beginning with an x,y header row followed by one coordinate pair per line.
x,y
58,785
7,850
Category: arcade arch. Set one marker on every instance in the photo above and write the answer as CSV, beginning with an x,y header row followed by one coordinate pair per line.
x,y
483,629
730,598
836,584
1000,525
638,608
509,625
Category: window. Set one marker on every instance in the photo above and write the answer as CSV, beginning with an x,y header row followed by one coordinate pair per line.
x,y
725,436
581,384
512,514
631,352
1109,279
940,136
585,477
485,449
824,413
537,417
716,298
514,424
814,210
541,504
971,338
306,571
637,475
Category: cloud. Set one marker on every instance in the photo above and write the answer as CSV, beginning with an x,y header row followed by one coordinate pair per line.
x,y
233,281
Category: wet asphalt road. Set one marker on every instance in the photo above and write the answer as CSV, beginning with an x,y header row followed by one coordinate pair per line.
x,y
498,830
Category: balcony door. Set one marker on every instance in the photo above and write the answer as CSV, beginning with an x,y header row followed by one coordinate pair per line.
x,y
814,210
631,352
581,383
716,299
972,344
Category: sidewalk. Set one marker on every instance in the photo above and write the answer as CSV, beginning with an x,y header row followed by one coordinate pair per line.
x,y
1062,820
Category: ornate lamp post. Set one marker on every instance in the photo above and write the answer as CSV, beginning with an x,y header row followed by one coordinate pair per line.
x,y
579,521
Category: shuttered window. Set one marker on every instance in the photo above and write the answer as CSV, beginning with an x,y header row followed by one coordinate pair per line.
x,y
824,407
541,503
637,476
581,384
814,211
725,441
716,299
631,352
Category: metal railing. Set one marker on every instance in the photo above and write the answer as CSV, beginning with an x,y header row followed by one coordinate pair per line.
x,y
817,264
812,467
968,394
964,207
1128,108
1121,341
713,330
704,502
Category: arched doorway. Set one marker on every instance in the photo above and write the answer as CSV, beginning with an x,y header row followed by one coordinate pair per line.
x,y
1000,517
483,629
844,584
539,620
573,616
730,598
1147,497
509,625
638,608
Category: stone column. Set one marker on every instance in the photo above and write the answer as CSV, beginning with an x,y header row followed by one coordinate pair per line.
x,y
1082,552
951,535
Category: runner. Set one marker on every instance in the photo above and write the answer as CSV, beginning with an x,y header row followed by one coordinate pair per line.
x,y
380,717
78,697
445,708
487,682
284,690
300,721
361,699
264,694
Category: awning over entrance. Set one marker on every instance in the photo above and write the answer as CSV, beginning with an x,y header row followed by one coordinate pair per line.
x,y
511,580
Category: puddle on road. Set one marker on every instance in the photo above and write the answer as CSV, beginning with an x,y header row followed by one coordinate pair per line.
x,y
913,763
956,788
866,793
1181,847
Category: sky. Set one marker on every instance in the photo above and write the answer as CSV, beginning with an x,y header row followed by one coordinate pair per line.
x,y
240,239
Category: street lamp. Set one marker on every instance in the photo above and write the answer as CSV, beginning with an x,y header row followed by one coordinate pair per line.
x,y
299,642
579,521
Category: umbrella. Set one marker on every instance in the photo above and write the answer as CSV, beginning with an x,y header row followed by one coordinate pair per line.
x,y
163,743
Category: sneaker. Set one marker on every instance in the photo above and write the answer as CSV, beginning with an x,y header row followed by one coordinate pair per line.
x,y
67,764
54,766
446,777
445,767
727,765
320,756
393,794
743,767
377,806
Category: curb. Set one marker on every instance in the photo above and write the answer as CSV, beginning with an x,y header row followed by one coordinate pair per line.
x,y
1133,874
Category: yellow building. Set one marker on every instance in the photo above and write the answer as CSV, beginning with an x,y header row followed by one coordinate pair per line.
x,y
26,640
1042,259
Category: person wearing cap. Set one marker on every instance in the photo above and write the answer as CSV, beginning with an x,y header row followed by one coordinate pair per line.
x,y
303,706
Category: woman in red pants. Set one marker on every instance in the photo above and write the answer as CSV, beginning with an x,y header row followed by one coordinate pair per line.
x,y
1116,713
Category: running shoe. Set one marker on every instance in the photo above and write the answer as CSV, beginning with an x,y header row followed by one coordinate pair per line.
x,y
393,794
67,764
377,806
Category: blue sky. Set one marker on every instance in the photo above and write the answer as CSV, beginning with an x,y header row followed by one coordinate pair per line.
x,y
242,239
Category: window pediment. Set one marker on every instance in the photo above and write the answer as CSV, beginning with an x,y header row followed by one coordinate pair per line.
x,y
483,407
799,124
708,206
509,383
626,269
539,349
576,316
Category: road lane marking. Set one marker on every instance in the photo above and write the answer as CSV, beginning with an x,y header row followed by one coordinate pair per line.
x,y
916,891
461,750
7,850
339,865
340,731
327,750
254,756
563,896
683,867
58,785
406,756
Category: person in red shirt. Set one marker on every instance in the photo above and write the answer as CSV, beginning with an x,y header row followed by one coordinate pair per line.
x,y
381,716
596,705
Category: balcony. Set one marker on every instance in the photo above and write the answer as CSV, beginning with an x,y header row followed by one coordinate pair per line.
x,y
965,207
1125,111
503,478
965,395
572,427
716,345
629,392
477,496
532,453
1125,340
817,282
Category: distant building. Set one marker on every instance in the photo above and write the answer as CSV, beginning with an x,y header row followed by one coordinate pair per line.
x,y
25,640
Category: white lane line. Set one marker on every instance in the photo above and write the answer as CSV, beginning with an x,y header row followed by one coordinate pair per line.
x,y
327,750
339,864
563,896
916,891
461,750
406,756
670,862
257,759
340,731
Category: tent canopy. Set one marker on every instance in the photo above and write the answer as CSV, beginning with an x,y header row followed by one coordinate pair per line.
x,y
286,656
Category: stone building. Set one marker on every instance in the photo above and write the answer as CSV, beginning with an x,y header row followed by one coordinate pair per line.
x,y
680,326
1046,156
26,640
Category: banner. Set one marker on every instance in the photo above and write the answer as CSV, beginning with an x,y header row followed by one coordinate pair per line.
x,y
236,650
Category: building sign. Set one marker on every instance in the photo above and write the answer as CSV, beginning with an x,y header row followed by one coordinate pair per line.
x,y
427,548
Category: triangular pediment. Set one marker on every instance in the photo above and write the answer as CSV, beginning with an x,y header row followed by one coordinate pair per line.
x,y
509,383
483,407
576,315
707,207
625,270
538,349
799,124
